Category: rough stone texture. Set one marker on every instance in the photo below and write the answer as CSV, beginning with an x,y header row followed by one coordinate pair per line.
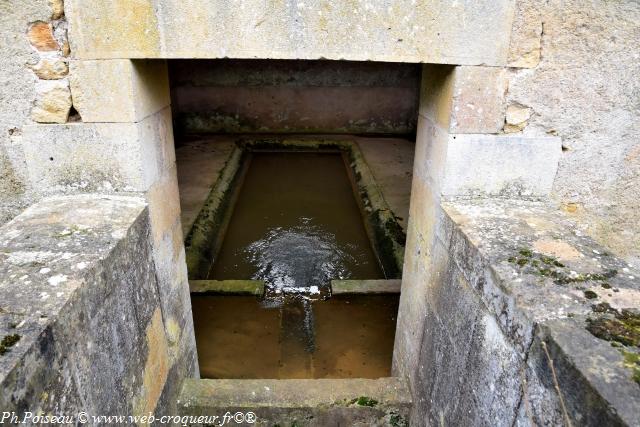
x,y
516,118
478,99
53,101
470,367
100,156
119,90
41,37
17,94
319,402
67,267
506,166
526,35
585,90
53,68
57,8
467,32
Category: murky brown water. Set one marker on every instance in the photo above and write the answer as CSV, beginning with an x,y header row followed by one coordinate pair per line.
x,y
237,337
296,225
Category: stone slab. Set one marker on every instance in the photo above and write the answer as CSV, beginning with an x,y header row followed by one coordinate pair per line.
x,y
468,32
496,165
230,287
339,287
314,402
100,156
199,163
391,162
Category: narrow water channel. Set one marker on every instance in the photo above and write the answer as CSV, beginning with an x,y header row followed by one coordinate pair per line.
x,y
296,225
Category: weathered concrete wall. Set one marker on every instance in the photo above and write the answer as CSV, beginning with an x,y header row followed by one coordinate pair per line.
x,y
579,81
240,96
462,32
80,289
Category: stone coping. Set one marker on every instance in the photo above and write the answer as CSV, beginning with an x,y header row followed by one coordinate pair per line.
x,y
227,287
382,401
543,279
46,255
346,287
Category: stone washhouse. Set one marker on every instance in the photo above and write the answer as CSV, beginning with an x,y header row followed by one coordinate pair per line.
x,y
496,141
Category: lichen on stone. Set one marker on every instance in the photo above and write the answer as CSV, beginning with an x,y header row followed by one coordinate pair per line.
x,y
619,326
364,401
8,342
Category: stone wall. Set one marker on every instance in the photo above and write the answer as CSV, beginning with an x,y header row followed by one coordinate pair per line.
x,y
18,93
511,290
82,297
576,77
246,96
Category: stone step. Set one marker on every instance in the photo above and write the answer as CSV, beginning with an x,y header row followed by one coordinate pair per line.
x,y
299,402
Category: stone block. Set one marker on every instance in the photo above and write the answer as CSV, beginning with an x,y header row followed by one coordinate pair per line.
x,y
53,68
391,286
57,8
53,101
506,166
525,47
436,32
40,35
320,402
436,92
99,156
119,90
478,99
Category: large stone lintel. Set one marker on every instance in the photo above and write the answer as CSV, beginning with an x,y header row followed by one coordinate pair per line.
x,y
469,32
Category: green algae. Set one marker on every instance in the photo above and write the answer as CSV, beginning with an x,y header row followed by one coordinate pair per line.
x,y
632,361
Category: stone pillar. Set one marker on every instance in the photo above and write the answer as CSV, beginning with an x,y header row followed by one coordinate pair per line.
x,y
461,152
125,144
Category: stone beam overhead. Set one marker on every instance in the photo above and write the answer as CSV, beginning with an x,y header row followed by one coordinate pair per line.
x,y
470,32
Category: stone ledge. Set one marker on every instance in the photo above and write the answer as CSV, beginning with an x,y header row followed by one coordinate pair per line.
x,y
540,278
65,269
317,402
228,287
339,287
